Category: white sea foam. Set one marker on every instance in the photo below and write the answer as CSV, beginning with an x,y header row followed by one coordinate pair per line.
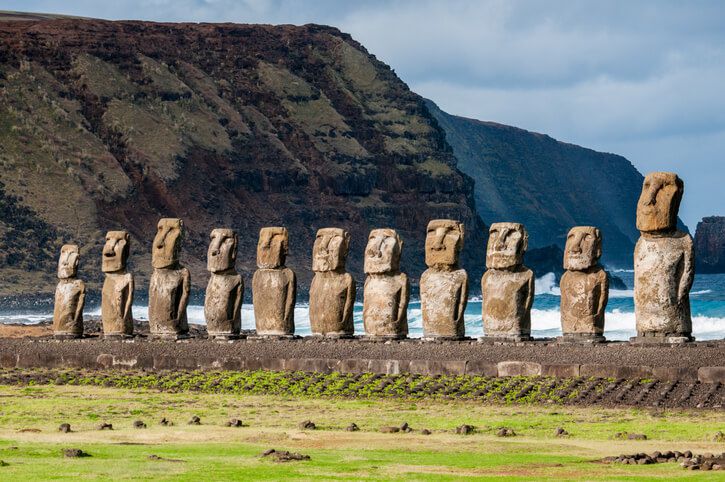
x,y
546,285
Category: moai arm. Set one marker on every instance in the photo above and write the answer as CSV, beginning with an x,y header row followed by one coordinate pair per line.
x,y
462,298
237,313
129,298
403,301
349,299
530,294
688,272
289,306
185,289
604,295
81,302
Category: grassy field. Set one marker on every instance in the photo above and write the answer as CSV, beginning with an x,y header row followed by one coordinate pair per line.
x,y
31,445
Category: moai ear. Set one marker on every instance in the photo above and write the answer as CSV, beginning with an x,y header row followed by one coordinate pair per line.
x,y
598,235
526,239
235,242
462,230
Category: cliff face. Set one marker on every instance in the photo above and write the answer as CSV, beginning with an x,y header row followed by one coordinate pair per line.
x,y
548,185
108,125
710,245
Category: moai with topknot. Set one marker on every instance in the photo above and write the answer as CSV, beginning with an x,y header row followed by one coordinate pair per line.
x,y
70,295
332,292
443,286
584,287
387,290
225,290
170,283
663,264
274,286
118,286
507,285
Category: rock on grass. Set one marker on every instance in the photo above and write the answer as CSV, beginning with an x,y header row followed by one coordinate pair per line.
x,y
307,425
64,427
284,455
74,453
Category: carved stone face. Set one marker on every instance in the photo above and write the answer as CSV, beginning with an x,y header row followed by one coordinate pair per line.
x,y
272,247
222,252
68,262
330,250
443,242
115,251
167,243
507,243
659,202
382,254
583,248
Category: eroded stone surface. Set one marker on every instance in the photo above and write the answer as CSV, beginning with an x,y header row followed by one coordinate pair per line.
x,y
118,286
225,290
274,287
443,287
332,292
387,290
663,262
170,282
69,295
584,286
507,285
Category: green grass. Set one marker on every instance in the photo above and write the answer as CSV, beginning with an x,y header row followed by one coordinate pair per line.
x,y
214,451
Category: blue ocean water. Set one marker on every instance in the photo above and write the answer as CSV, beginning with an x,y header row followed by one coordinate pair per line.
x,y
707,299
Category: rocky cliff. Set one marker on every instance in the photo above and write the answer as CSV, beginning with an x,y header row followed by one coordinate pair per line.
x,y
548,185
710,245
108,125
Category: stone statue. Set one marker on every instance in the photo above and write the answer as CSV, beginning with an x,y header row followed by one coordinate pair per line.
x,y
387,290
443,287
332,293
507,285
70,295
274,286
223,301
170,283
117,294
584,286
663,263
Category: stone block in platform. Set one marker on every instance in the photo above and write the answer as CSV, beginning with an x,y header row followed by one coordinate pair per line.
x,y
518,368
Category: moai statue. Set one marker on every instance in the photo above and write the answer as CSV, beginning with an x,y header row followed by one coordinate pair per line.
x,y
507,285
584,287
70,295
332,292
387,290
274,286
223,301
117,294
663,263
170,283
443,286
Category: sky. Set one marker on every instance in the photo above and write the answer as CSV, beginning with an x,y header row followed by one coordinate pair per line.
x,y
643,79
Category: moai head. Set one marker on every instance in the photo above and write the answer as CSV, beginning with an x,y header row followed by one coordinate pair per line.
x,y
443,242
382,254
222,252
167,243
659,202
330,250
68,262
272,247
507,243
115,251
583,248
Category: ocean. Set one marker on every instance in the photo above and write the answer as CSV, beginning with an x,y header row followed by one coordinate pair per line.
x,y
707,299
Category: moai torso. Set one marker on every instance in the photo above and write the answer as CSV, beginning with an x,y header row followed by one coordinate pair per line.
x,y
224,292
443,287
507,285
332,292
663,262
170,282
118,286
274,287
69,295
584,285
387,290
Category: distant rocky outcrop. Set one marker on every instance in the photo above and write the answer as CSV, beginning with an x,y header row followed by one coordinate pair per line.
x,y
548,185
710,245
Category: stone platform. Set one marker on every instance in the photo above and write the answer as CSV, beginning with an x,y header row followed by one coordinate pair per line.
x,y
699,361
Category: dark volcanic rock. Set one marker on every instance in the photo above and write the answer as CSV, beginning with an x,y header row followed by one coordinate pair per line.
x,y
64,427
73,453
710,245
